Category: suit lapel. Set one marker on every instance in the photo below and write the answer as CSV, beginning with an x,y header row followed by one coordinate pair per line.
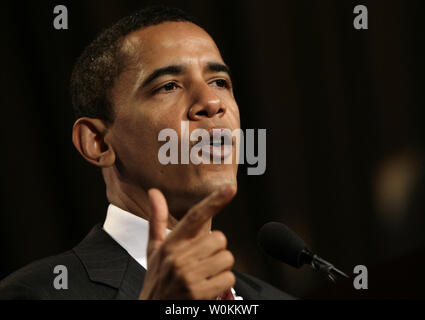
x,y
106,262
132,281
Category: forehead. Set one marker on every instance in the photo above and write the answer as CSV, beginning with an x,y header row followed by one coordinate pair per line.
x,y
171,42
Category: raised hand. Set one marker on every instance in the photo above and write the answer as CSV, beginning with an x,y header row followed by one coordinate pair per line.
x,y
191,262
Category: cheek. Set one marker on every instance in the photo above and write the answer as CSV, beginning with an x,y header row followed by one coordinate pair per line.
x,y
135,139
140,136
233,114
229,101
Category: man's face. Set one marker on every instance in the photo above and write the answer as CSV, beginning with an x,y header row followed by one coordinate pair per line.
x,y
191,86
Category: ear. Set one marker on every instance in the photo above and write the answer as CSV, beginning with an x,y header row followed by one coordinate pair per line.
x,y
88,136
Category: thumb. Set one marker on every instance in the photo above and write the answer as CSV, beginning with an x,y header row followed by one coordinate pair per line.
x,y
158,220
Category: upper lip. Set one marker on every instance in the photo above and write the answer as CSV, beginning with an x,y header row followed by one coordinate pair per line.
x,y
224,132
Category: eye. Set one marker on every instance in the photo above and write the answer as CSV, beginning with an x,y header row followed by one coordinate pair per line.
x,y
222,83
170,86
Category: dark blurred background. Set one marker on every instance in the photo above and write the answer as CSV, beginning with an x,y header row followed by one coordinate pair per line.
x,y
343,109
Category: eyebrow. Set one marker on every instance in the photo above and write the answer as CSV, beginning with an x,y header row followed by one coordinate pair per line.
x,y
177,69
218,67
173,69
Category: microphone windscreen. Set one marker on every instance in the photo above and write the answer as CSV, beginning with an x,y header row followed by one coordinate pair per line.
x,y
280,242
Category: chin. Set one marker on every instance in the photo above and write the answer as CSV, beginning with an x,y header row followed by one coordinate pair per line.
x,y
197,186
212,181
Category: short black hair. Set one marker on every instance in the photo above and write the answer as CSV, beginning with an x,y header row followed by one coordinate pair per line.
x,y
102,61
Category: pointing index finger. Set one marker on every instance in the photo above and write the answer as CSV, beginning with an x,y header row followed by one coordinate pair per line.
x,y
200,214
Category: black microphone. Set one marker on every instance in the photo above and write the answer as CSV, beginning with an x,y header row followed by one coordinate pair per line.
x,y
280,242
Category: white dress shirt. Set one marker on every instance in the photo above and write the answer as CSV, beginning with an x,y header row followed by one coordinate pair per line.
x,y
131,232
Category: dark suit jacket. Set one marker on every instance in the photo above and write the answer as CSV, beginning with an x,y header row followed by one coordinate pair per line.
x,y
99,268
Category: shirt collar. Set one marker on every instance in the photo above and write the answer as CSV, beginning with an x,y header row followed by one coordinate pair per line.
x,y
130,231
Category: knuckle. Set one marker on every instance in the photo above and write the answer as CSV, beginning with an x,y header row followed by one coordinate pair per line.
x,y
228,258
230,278
220,238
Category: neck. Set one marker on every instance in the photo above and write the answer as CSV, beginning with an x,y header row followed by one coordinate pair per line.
x,y
135,200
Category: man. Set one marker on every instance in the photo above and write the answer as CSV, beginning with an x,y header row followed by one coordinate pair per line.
x,y
150,71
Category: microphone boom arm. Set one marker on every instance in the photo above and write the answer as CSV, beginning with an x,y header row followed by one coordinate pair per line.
x,y
317,263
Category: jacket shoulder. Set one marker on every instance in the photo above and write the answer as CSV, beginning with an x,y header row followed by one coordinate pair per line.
x,y
37,280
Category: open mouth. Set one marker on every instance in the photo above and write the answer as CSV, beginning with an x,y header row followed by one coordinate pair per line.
x,y
219,145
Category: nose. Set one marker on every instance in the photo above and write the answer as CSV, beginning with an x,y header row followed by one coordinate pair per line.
x,y
206,104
